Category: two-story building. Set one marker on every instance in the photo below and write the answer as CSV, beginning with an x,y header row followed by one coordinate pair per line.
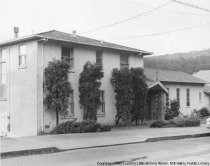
x,y
23,61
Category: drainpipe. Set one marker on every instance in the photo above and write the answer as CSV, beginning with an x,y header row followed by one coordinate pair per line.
x,y
42,79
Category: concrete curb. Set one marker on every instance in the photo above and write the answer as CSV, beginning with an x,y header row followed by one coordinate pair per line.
x,y
56,150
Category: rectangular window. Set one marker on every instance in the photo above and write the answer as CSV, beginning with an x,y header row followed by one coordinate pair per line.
x,y
70,106
102,107
67,55
188,97
167,99
124,61
99,58
178,95
3,73
200,97
22,56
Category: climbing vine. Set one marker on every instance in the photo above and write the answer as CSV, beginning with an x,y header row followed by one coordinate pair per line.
x,y
89,88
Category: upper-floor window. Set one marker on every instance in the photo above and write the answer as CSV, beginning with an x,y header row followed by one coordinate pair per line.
x,y
99,58
3,73
22,56
124,61
67,55
188,97
101,110
167,99
178,95
200,97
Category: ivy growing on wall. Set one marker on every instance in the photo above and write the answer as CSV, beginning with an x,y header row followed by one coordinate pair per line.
x,y
124,95
130,94
89,88
140,91
57,87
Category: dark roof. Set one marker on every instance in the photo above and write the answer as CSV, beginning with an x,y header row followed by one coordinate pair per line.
x,y
172,76
207,89
66,37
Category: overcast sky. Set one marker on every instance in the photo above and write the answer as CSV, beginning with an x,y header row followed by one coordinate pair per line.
x,y
33,16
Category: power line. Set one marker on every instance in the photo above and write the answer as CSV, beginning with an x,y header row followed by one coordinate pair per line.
x,y
166,32
166,10
191,5
126,19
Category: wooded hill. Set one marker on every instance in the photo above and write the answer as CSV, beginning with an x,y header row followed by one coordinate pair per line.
x,y
188,62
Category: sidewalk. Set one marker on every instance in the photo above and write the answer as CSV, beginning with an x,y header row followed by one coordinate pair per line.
x,y
90,140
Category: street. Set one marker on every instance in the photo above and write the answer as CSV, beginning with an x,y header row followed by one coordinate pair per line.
x,y
185,150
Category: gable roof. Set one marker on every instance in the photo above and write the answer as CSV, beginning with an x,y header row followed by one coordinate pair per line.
x,y
203,74
172,76
66,37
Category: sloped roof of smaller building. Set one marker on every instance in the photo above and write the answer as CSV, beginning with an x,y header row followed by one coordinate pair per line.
x,y
172,76
203,74
207,89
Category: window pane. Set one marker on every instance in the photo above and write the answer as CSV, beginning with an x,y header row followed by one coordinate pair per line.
x,y
3,54
22,60
22,50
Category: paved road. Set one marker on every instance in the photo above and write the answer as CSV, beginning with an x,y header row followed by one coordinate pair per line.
x,y
194,149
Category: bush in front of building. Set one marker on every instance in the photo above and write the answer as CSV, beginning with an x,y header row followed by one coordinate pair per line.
x,y
80,127
177,122
204,112
173,111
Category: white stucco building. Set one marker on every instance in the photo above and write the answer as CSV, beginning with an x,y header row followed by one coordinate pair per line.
x,y
23,61
188,90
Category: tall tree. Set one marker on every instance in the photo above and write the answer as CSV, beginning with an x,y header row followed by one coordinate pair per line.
x,y
57,87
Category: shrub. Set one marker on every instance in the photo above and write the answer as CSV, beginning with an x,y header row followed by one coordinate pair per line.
x,y
177,122
157,124
186,122
80,127
204,112
173,111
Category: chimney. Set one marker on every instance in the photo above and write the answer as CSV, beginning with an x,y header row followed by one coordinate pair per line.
x,y
16,31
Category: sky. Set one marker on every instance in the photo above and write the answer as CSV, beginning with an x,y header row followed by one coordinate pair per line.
x,y
34,16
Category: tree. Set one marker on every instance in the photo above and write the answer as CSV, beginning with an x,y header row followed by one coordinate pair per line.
x,y
57,87
140,91
122,82
89,88
173,111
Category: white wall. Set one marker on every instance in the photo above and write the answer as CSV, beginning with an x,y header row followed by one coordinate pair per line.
x,y
111,60
194,96
22,88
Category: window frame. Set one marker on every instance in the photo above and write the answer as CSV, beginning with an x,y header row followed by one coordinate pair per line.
x,y
188,97
70,59
20,55
101,110
178,95
124,65
99,59
71,113
2,98
167,99
200,97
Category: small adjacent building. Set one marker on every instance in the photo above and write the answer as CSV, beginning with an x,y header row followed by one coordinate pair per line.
x,y
22,64
188,90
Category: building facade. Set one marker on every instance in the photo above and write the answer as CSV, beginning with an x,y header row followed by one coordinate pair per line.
x,y
23,61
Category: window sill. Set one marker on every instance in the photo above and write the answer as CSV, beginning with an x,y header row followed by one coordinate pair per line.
x,y
101,115
3,99
22,67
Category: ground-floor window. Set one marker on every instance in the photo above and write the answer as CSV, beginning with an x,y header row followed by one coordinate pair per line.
x,y
3,73
101,110
167,99
70,106
188,97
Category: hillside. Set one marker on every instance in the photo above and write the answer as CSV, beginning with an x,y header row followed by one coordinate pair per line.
x,y
189,62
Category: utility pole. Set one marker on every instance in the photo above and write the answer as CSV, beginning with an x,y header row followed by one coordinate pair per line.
x,y
191,5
